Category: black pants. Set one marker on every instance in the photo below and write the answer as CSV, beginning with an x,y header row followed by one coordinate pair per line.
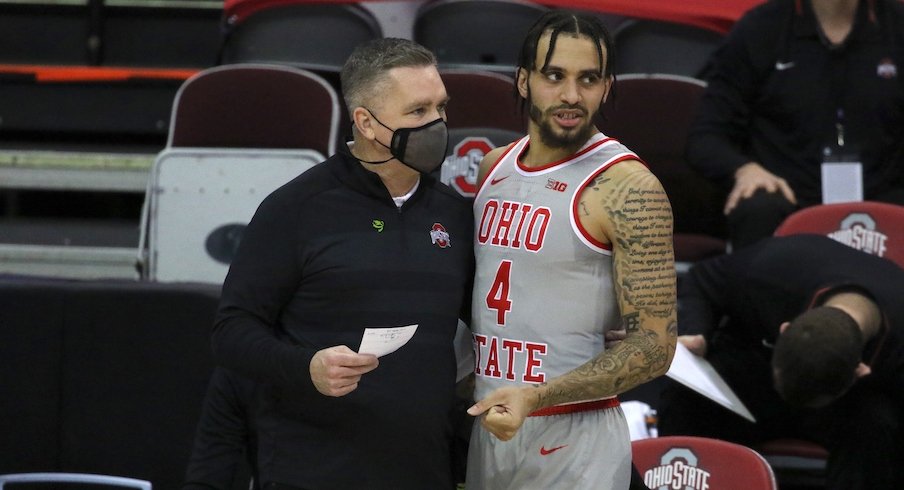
x,y
862,431
758,216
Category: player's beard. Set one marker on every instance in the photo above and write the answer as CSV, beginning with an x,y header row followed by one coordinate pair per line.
x,y
557,137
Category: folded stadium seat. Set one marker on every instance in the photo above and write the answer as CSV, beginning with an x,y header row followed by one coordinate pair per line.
x,y
238,132
651,114
317,37
476,34
699,462
650,46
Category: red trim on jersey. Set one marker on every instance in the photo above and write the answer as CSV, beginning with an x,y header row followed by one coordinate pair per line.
x,y
494,165
566,159
574,207
576,407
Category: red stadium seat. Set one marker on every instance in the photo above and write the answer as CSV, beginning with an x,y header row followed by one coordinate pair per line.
x,y
873,227
290,108
482,99
699,462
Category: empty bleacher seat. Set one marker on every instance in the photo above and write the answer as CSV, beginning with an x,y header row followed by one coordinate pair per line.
x,y
476,34
650,46
238,132
317,37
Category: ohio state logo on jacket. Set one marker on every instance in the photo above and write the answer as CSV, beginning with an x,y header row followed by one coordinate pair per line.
x,y
439,236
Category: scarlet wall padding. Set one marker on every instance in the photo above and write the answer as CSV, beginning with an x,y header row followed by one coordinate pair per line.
x,y
131,363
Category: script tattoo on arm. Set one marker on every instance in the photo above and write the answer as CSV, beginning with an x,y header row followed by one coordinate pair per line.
x,y
638,218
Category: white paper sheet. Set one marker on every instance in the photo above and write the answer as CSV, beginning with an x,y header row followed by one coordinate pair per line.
x,y
699,375
380,341
842,182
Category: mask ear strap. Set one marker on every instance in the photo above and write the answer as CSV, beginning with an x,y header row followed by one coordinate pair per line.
x,y
345,150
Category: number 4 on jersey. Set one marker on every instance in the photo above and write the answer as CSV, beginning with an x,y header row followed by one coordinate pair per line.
x,y
498,296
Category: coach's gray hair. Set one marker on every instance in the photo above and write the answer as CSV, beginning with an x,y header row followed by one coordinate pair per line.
x,y
368,66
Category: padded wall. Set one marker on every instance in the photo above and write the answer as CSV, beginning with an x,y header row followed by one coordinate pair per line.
x,y
109,376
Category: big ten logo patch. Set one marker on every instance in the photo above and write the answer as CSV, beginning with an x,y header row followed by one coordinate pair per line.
x,y
858,230
459,170
677,470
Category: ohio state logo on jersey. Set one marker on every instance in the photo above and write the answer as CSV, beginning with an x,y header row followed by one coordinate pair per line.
x,y
459,170
678,470
858,230
439,236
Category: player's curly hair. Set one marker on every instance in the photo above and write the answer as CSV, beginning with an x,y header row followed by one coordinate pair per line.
x,y
815,358
559,21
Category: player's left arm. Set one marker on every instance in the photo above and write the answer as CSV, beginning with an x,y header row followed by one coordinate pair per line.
x,y
627,207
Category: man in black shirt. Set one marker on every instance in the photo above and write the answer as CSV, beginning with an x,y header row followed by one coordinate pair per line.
x,y
798,83
365,239
833,375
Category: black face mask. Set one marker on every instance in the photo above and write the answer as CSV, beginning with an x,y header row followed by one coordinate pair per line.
x,y
422,148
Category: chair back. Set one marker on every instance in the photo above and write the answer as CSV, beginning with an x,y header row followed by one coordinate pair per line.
x,y
873,227
650,46
698,462
317,37
476,34
58,479
652,114
201,201
238,132
482,99
289,108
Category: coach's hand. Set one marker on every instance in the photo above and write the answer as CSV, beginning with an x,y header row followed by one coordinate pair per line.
x,y
694,343
505,409
337,370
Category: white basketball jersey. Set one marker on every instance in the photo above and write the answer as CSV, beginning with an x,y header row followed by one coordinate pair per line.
x,y
543,293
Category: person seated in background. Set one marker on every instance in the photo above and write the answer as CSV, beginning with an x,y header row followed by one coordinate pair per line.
x,y
810,335
799,83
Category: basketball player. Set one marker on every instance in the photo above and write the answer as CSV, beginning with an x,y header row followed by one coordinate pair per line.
x,y
573,239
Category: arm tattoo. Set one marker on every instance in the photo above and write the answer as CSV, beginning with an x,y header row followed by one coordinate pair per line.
x,y
644,274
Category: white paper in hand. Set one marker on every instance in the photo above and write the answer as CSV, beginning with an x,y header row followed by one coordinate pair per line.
x,y
384,340
699,375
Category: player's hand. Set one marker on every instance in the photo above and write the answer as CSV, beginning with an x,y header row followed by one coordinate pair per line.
x,y
613,337
505,410
752,177
694,343
337,370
